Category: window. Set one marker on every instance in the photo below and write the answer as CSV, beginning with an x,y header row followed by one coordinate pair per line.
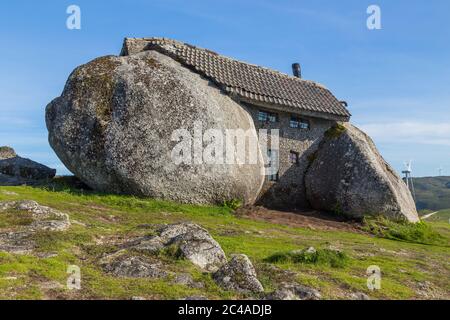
x,y
273,117
267,116
304,124
299,123
294,158
272,165
262,116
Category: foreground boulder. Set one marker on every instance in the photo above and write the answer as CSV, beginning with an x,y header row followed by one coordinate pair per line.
x,y
190,241
238,275
348,176
15,170
195,244
113,126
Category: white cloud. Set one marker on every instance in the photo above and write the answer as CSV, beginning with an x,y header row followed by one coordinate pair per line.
x,y
412,132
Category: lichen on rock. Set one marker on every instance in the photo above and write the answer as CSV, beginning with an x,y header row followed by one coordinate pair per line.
x,y
238,275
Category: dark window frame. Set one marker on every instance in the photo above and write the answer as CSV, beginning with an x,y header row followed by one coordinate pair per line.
x,y
299,123
295,160
269,117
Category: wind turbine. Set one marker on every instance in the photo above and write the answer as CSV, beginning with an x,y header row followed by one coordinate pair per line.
x,y
440,169
408,178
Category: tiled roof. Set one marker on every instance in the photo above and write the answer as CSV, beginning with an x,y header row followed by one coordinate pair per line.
x,y
249,82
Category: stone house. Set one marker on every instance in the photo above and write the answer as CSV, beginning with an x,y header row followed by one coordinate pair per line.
x,y
302,110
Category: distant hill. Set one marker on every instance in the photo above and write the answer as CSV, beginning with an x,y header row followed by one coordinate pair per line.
x,y
432,193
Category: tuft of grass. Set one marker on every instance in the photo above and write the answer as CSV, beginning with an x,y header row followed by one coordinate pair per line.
x,y
232,204
332,258
420,232
15,218
336,131
172,252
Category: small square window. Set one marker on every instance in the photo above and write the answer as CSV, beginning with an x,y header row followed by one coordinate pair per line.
x,y
299,123
267,116
304,124
273,117
262,116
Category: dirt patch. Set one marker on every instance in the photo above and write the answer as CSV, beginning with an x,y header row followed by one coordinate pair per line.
x,y
307,219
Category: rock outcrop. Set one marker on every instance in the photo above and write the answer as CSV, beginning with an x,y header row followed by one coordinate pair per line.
x,y
238,275
294,291
123,265
349,176
113,128
7,153
15,170
195,244
32,218
189,240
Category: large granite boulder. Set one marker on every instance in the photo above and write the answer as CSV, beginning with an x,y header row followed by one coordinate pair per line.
x,y
15,170
113,125
349,176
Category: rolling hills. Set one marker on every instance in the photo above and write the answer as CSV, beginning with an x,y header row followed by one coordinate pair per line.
x,y
432,193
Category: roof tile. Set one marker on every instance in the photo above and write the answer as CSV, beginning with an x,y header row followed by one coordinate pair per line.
x,y
253,82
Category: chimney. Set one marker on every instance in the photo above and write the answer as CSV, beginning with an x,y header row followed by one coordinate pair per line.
x,y
296,70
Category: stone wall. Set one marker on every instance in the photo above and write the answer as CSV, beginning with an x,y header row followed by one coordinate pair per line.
x,y
289,190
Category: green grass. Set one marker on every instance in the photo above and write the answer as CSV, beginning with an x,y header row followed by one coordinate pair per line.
x,y
443,215
12,218
100,219
332,258
432,193
420,232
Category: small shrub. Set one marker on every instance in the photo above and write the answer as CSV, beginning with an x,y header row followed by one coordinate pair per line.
x,y
403,231
335,131
232,204
335,259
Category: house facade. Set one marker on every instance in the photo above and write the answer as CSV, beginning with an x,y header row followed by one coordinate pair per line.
x,y
301,110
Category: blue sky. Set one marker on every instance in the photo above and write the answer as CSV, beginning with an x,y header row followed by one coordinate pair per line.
x,y
396,80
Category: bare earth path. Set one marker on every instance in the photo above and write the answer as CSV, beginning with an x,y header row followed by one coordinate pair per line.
x,y
428,215
305,218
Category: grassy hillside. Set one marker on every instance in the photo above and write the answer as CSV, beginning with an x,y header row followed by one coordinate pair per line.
x,y
442,215
432,193
409,270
